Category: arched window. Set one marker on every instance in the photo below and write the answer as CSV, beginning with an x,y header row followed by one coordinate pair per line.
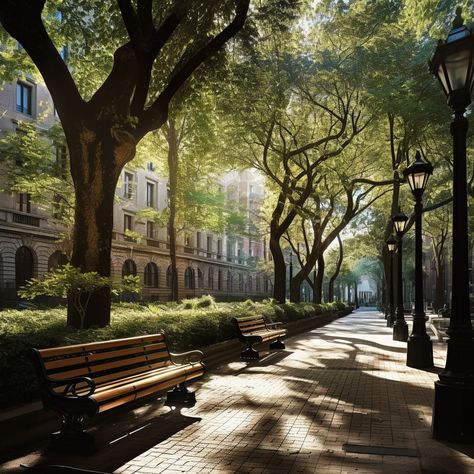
x,y
210,278
241,282
219,280
56,260
189,278
169,276
151,275
229,281
129,268
24,266
200,279
249,283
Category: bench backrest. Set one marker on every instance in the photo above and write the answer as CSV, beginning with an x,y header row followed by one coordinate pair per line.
x,y
104,361
250,324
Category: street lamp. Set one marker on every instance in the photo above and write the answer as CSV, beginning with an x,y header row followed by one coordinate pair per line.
x,y
453,413
400,327
420,347
391,246
291,274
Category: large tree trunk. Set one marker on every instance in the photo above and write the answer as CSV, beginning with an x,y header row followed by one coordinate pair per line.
x,y
173,163
295,288
318,284
279,288
356,296
96,163
336,271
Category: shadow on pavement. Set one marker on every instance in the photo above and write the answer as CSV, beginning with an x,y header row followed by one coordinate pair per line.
x,y
113,453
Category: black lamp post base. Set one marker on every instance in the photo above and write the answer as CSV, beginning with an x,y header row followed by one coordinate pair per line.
x,y
400,331
419,352
453,414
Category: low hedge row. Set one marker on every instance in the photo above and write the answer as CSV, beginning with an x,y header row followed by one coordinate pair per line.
x,y
192,324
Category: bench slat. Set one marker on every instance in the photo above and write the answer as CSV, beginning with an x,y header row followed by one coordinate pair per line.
x,y
95,346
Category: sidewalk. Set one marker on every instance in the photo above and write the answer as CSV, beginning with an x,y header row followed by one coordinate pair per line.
x,y
296,411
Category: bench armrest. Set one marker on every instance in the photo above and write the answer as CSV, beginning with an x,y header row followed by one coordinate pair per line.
x,y
71,386
273,325
186,357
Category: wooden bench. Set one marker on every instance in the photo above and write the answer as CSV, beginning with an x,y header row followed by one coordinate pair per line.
x,y
253,330
439,326
92,378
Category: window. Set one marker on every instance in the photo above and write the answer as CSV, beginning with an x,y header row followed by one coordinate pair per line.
x,y
210,278
128,185
61,160
219,248
209,246
198,240
230,252
189,278
249,283
169,276
24,94
241,282
150,166
200,278
257,283
151,275
127,222
150,229
229,281
219,280
129,268
24,266
24,202
150,194
57,260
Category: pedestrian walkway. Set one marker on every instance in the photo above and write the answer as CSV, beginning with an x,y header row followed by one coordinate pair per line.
x,y
335,390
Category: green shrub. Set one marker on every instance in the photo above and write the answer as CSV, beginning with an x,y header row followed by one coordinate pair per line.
x,y
192,324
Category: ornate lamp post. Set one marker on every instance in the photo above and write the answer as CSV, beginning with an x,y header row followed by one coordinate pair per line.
x,y
420,347
391,246
291,274
400,327
453,413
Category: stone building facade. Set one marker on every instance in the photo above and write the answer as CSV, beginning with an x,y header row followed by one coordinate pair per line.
x,y
222,265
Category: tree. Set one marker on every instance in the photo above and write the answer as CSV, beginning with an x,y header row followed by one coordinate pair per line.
x,y
110,105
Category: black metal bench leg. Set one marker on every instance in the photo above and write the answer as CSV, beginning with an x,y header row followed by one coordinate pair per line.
x,y
278,344
180,396
72,436
249,352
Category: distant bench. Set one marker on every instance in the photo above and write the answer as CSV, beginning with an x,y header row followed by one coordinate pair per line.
x,y
439,326
87,379
253,330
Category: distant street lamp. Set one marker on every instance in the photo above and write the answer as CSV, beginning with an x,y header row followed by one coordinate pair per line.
x,y
453,413
291,274
391,246
420,347
400,327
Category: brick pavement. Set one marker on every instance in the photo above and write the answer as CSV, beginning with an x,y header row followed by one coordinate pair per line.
x,y
293,411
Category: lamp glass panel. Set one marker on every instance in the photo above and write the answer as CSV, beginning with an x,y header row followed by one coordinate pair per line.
x,y
400,225
457,64
417,180
442,79
391,247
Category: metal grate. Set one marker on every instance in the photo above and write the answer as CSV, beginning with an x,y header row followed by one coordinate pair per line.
x,y
380,450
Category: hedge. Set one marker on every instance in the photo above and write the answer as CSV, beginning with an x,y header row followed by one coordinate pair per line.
x,y
192,324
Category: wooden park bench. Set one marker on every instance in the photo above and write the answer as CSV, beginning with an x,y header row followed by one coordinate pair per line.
x,y
253,330
439,326
92,378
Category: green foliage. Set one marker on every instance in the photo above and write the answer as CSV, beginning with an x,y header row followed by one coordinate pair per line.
x,y
69,282
206,322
